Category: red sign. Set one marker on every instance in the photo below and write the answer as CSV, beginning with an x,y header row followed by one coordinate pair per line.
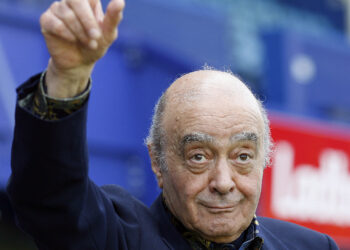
x,y
308,182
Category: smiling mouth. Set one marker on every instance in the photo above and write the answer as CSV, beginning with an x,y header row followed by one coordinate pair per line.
x,y
219,209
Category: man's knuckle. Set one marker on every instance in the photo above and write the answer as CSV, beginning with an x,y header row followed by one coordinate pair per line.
x,y
55,5
58,28
69,17
43,18
74,2
88,22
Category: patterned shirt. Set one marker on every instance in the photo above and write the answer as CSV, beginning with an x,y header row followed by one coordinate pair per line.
x,y
49,108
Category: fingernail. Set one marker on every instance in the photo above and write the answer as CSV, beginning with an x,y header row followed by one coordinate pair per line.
x,y
93,44
95,33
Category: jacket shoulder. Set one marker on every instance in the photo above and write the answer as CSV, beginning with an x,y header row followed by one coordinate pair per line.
x,y
278,234
125,204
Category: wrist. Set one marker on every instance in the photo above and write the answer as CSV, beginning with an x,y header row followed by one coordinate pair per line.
x,y
67,83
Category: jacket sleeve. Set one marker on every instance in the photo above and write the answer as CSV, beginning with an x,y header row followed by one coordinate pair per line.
x,y
331,243
53,198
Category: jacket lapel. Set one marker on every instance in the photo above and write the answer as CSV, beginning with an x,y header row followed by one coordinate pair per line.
x,y
171,237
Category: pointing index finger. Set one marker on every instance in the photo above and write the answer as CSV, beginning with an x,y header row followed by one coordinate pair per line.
x,y
113,16
83,10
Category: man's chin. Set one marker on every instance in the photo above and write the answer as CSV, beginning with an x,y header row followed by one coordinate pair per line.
x,y
221,232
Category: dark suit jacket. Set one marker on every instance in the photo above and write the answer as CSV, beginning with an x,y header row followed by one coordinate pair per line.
x,y
61,208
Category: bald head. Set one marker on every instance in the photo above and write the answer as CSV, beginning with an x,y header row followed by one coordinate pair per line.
x,y
213,91
201,85
203,79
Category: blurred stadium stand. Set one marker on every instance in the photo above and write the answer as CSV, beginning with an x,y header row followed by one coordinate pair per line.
x,y
307,75
294,54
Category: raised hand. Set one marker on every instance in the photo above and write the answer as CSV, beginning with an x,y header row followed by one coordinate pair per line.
x,y
77,34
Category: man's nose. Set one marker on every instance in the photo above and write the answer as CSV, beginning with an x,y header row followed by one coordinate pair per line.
x,y
222,178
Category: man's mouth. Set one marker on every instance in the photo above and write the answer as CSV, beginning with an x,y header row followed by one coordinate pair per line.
x,y
219,208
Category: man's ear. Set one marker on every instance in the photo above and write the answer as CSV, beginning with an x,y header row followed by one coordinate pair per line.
x,y
155,166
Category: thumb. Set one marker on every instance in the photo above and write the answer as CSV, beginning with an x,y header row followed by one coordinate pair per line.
x,y
112,18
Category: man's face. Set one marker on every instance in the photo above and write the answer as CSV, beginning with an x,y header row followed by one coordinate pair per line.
x,y
215,162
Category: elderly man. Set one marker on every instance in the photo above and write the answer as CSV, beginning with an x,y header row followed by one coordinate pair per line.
x,y
209,143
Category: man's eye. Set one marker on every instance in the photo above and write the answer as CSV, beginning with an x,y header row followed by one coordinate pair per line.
x,y
243,158
198,158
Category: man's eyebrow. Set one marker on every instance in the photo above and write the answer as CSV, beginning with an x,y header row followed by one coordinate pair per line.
x,y
196,137
245,136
